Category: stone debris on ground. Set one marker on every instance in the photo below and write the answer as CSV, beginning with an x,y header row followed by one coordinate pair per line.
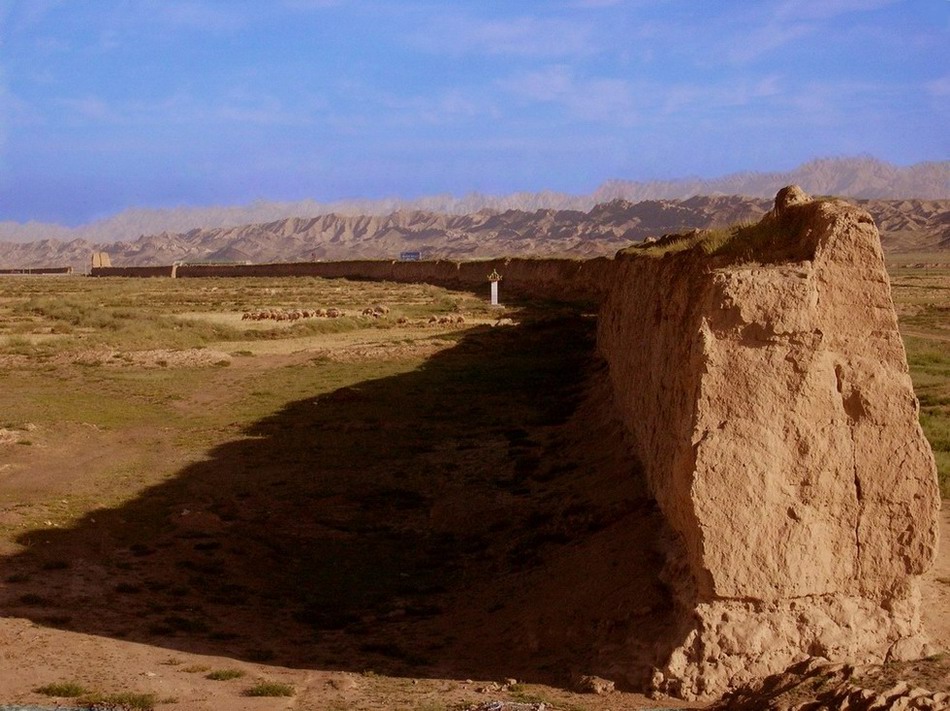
x,y
509,706
594,685
818,685
494,686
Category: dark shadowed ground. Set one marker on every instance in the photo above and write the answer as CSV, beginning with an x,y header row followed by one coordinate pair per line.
x,y
476,518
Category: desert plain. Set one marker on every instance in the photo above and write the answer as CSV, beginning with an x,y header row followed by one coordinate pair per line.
x,y
202,511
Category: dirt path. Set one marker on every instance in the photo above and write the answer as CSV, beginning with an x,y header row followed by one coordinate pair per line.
x,y
917,333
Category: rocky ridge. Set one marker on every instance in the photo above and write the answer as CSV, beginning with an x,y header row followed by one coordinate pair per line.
x,y
861,177
601,231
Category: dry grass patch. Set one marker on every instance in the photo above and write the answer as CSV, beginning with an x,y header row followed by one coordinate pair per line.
x,y
922,299
63,690
269,688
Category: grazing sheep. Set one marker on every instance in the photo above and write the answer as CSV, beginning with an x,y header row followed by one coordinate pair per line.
x,y
380,309
402,320
459,319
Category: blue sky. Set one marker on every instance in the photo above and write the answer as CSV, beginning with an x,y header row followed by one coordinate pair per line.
x,y
110,104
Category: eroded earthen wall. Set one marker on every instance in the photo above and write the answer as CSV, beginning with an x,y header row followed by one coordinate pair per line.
x,y
544,278
163,271
773,409
770,404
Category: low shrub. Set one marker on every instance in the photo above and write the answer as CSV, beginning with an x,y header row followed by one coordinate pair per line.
x,y
270,688
62,689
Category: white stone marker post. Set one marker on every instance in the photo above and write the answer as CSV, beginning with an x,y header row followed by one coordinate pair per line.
x,y
494,278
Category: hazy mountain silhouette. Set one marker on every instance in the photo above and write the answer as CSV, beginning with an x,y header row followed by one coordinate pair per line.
x,y
603,230
861,177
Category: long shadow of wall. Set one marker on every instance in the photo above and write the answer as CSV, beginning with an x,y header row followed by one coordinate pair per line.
x,y
477,517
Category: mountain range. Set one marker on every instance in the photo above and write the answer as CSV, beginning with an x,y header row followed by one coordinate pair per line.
x,y
861,177
604,229
543,224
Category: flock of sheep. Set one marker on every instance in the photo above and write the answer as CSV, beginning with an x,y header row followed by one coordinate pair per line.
x,y
295,315
374,311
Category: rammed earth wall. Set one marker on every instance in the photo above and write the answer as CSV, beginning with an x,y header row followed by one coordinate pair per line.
x,y
772,407
545,278
769,401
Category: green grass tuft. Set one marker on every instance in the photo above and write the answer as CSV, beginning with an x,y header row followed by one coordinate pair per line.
x,y
62,689
270,688
224,674
124,700
766,241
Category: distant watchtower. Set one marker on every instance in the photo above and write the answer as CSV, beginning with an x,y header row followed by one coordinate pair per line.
x,y
494,278
100,259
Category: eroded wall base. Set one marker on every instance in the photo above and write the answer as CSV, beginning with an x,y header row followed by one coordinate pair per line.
x,y
735,642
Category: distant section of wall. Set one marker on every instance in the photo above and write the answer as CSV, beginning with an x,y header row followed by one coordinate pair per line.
x,y
165,271
544,278
39,270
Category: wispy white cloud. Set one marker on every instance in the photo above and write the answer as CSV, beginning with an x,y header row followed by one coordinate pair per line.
x,y
766,29
365,106
767,38
600,99
595,3
938,87
442,109
52,45
20,17
306,5
688,97
843,102
4,120
526,36
196,15
549,84
91,109
826,9
236,106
